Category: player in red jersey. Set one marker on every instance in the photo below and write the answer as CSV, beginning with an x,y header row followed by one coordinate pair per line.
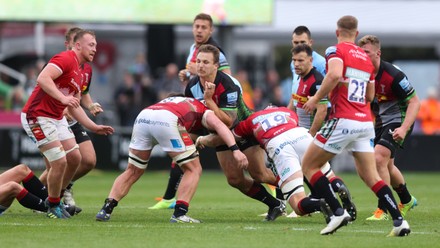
x,y
59,86
88,155
277,131
350,79
168,123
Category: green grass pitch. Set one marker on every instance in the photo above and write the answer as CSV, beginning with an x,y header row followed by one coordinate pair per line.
x,y
230,219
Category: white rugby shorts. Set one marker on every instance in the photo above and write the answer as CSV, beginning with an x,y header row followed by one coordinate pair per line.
x,y
161,127
287,150
339,134
44,130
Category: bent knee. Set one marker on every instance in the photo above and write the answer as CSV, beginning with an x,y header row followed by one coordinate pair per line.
x,y
88,163
12,188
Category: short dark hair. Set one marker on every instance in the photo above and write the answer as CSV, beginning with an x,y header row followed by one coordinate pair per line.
x,y
203,16
302,48
207,48
301,30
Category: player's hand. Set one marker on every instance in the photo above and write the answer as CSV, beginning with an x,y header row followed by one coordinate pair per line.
x,y
104,130
70,101
209,90
199,143
183,75
95,108
191,67
310,105
240,159
399,134
68,116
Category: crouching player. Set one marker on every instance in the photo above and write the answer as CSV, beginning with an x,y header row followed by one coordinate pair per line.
x,y
168,123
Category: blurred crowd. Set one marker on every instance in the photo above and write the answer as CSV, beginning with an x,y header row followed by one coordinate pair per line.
x,y
139,89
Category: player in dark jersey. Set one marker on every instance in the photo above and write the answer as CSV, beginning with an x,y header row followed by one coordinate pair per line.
x,y
395,109
222,94
310,80
168,123
202,30
350,79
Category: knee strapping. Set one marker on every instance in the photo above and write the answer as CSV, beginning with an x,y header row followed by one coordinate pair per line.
x,y
137,161
54,153
326,170
293,187
73,148
186,157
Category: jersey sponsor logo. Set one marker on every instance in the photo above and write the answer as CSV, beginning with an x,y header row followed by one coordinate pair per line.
x,y
358,54
150,122
362,115
360,130
285,171
406,86
300,99
175,143
351,72
345,131
38,133
335,146
186,139
232,97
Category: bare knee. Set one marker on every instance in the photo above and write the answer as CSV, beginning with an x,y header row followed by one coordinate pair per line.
x,y
21,171
88,163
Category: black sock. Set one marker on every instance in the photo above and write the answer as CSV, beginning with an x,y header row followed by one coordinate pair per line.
x,y
35,186
259,193
403,193
385,195
323,189
69,186
312,191
382,205
109,204
279,193
309,205
181,208
173,182
29,200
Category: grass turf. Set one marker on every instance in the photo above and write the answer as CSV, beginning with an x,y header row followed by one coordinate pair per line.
x,y
230,219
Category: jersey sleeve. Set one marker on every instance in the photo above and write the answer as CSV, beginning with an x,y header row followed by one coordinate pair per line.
x,y
402,87
229,98
88,77
332,52
62,61
242,129
223,62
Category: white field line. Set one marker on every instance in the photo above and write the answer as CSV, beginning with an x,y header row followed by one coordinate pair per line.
x,y
247,228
